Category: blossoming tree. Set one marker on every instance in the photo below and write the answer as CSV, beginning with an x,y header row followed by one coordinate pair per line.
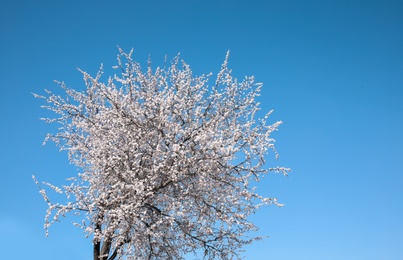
x,y
166,161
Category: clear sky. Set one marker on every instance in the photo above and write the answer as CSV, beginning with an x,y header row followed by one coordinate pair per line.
x,y
332,71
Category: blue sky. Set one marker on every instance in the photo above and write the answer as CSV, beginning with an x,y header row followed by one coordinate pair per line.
x,y
332,71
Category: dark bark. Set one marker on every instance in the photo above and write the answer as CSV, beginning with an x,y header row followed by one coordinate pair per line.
x,y
115,253
97,245
106,247
97,249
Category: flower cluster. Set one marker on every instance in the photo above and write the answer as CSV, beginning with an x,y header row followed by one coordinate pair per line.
x,y
166,160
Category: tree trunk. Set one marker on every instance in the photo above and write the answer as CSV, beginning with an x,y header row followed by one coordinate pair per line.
x,y
106,247
97,245
97,248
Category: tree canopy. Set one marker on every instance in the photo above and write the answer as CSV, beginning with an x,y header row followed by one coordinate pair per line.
x,y
166,158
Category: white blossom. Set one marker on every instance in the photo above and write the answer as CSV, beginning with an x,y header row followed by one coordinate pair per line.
x,y
166,160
